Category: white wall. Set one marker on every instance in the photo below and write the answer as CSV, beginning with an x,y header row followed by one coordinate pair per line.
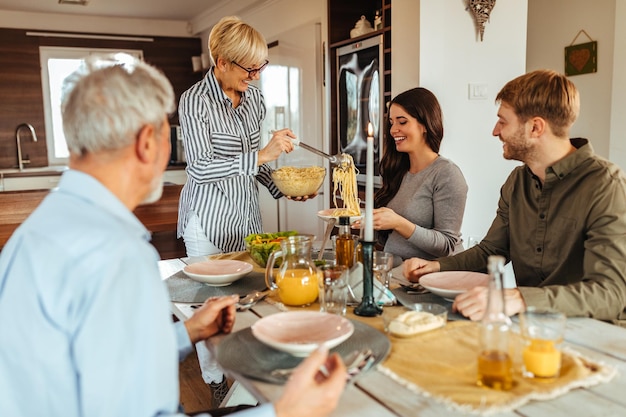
x,y
451,57
552,26
617,147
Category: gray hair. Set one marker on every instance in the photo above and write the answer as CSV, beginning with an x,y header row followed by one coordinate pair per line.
x,y
107,101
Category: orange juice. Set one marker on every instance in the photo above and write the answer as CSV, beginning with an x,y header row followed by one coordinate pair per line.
x,y
297,287
495,370
542,358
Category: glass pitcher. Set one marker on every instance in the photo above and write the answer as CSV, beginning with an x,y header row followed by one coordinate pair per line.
x,y
296,278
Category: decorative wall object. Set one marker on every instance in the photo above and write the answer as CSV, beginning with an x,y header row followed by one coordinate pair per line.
x,y
581,58
361,27
481,9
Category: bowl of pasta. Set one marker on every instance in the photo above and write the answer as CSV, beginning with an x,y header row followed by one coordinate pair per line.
x,y
299,181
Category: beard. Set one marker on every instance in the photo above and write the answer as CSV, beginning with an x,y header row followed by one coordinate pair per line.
x,y
156,191
516,146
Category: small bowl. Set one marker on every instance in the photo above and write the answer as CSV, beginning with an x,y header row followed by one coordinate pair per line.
x,y
299,181
301,332
218,272
398,322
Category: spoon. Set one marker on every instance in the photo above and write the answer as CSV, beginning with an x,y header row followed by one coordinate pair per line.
x,y
251,299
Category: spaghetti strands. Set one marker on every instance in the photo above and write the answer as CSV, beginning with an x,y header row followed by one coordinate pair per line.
x,y
344,180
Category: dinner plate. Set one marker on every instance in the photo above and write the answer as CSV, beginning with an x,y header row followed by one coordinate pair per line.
x,y
243,354
327,214
217,273
449,284
301,332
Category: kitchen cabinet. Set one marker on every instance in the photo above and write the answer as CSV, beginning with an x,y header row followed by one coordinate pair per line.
x,y
342,17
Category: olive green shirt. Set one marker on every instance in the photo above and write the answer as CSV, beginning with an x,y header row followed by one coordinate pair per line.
x,y
565,239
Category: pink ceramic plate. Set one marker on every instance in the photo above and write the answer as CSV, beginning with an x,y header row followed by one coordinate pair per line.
x,y
217,272
301,332
327,214
449,284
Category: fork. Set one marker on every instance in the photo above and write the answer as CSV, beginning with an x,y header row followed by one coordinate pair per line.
x,y
359,361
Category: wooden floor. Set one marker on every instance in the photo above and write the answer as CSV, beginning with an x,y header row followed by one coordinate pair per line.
x,y
195,394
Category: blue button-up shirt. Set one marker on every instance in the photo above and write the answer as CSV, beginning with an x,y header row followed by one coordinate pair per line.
x,y
85,326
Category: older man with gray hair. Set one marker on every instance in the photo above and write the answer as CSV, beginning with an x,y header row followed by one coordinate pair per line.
x,y
85,326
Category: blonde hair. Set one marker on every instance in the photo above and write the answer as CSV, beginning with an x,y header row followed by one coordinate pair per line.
x,y
546,94
233,40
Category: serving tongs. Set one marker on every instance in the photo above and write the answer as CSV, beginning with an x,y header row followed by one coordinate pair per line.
x,y
333,159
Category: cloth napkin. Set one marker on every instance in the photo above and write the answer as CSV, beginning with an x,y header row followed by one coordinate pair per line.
x,y
442,364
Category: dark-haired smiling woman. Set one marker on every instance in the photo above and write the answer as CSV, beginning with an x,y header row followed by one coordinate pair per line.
x,y
421,203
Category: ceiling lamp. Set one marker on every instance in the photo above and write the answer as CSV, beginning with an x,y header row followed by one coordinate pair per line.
x,y
75,2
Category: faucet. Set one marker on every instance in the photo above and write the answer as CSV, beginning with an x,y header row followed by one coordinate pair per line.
x,y
20,161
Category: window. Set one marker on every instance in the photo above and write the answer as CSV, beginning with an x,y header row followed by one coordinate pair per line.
x,y
56,64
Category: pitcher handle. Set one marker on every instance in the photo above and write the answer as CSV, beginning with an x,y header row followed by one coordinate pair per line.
x,y
269,269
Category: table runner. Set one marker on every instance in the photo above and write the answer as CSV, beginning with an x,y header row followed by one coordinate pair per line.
x,y
442,364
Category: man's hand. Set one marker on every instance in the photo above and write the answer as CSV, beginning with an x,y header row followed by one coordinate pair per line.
x,y
308,393
413,269
217,314
473,303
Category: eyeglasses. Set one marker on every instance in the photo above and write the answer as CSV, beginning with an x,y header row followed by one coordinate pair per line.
x,y
253,72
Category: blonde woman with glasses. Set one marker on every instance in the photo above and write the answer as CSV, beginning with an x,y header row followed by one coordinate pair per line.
x,y
220,119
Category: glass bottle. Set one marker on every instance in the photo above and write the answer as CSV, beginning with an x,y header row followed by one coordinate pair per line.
x,y
344,243
495,367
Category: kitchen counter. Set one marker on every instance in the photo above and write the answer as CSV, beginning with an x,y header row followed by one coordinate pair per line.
x,y
45,178
160,218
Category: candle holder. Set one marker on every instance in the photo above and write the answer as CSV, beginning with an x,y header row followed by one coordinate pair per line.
x,y
368,306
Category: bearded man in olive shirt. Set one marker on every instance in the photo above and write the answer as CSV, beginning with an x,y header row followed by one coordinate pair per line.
x,y
561,218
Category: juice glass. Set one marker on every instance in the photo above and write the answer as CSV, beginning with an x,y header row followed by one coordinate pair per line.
x,y
542,333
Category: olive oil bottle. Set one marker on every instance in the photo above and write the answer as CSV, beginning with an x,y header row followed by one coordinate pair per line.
x,y
495,367
344,243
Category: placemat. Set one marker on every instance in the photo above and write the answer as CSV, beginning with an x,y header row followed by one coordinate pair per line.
x,y
183,289
244,354
445,369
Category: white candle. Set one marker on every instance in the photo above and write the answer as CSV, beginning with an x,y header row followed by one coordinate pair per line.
x,y
369,186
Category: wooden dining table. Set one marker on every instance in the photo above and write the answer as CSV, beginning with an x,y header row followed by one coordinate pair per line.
x,y
376,394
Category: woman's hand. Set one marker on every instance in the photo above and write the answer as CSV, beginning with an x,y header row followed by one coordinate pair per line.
x,y
281,141
385,218
303,198
217,314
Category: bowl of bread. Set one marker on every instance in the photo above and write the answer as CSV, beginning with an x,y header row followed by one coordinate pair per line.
x,y
412,319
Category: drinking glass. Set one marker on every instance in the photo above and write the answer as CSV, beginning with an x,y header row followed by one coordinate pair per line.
x,y
542,333
333,289
382,265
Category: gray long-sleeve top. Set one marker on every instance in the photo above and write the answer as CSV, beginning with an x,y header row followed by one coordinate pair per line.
x,y
434,200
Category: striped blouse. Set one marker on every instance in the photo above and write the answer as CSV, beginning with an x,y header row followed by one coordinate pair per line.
x,y
221,148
